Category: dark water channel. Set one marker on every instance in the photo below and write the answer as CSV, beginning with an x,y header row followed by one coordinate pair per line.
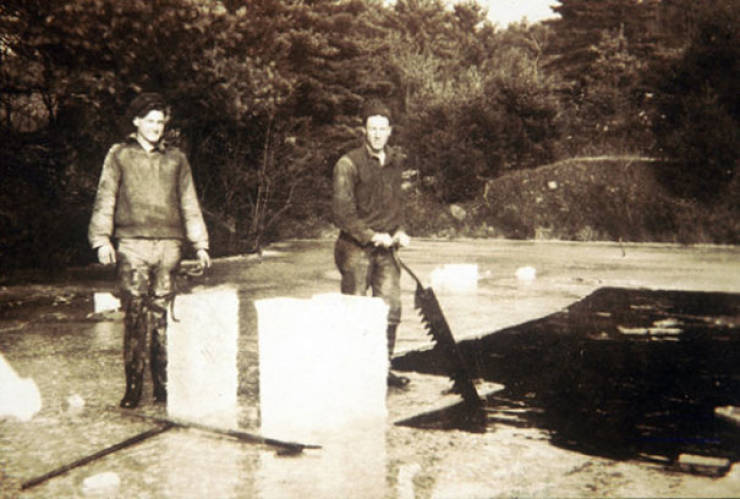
x,y
623,373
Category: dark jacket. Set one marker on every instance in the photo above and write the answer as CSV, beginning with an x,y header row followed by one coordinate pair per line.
x,y
367,197
146,195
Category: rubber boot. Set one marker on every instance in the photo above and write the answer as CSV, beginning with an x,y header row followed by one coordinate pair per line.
x,y
134,382
391,335
158,365
394,381
158,354
159,379
133,351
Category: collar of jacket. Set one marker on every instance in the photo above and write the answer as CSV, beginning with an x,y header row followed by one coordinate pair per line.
x,y
389,155
160,146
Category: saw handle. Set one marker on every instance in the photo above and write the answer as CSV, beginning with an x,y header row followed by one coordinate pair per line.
x,y
401,265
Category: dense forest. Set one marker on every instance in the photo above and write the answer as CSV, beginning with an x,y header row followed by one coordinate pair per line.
x,y
265,97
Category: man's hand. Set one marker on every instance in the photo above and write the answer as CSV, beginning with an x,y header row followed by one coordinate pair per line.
x,y
106,254
382,239
401,239
204,259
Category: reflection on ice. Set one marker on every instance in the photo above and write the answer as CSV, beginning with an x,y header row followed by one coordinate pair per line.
x,y
204,465
351,463
107,335
405,482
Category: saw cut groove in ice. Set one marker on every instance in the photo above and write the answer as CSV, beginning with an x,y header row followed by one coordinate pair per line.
x,y
202,376
455,278
323,364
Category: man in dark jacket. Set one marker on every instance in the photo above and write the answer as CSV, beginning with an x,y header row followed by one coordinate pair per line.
x,y
146,202
367,206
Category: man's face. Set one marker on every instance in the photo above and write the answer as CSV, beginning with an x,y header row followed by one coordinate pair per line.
x,y
377,132
150,127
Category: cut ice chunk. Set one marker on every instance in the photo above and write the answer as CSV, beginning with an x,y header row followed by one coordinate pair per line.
x,y
323,365
458,278
202,376
19,397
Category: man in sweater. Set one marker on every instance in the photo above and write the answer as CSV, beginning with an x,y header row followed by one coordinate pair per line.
x,y
146,202
367,208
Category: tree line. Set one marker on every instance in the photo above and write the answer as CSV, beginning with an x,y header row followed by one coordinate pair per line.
x,y
266,94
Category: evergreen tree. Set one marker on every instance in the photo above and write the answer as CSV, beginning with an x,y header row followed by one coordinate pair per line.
x,y
582,23
698,121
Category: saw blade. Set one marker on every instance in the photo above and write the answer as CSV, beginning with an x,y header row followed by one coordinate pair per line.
x,y
425,301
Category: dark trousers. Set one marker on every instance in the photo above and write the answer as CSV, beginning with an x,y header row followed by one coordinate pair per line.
x,y
145,275
367,267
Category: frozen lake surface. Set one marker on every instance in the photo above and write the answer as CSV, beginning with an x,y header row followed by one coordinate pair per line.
x,y
48,334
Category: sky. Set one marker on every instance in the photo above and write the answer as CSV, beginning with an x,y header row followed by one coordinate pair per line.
x,y
503,12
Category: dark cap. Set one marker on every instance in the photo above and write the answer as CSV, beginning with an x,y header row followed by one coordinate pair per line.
x,y
375,107
146,102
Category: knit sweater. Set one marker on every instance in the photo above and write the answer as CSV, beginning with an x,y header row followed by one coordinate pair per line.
x,y
146,195
367,196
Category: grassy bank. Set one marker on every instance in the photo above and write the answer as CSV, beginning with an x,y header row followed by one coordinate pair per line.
x,y
587,199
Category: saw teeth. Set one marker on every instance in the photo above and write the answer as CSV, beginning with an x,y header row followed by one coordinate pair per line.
x,y
438,329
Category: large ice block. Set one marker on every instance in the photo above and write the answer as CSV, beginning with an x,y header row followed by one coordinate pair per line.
x,y
323,365
202,376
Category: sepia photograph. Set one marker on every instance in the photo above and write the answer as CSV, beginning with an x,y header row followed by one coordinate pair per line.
x,y
393,249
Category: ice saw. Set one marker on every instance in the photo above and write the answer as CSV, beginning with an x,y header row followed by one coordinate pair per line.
x,y
426,303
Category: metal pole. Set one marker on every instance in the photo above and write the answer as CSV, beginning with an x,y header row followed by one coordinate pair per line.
x,y
92,457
